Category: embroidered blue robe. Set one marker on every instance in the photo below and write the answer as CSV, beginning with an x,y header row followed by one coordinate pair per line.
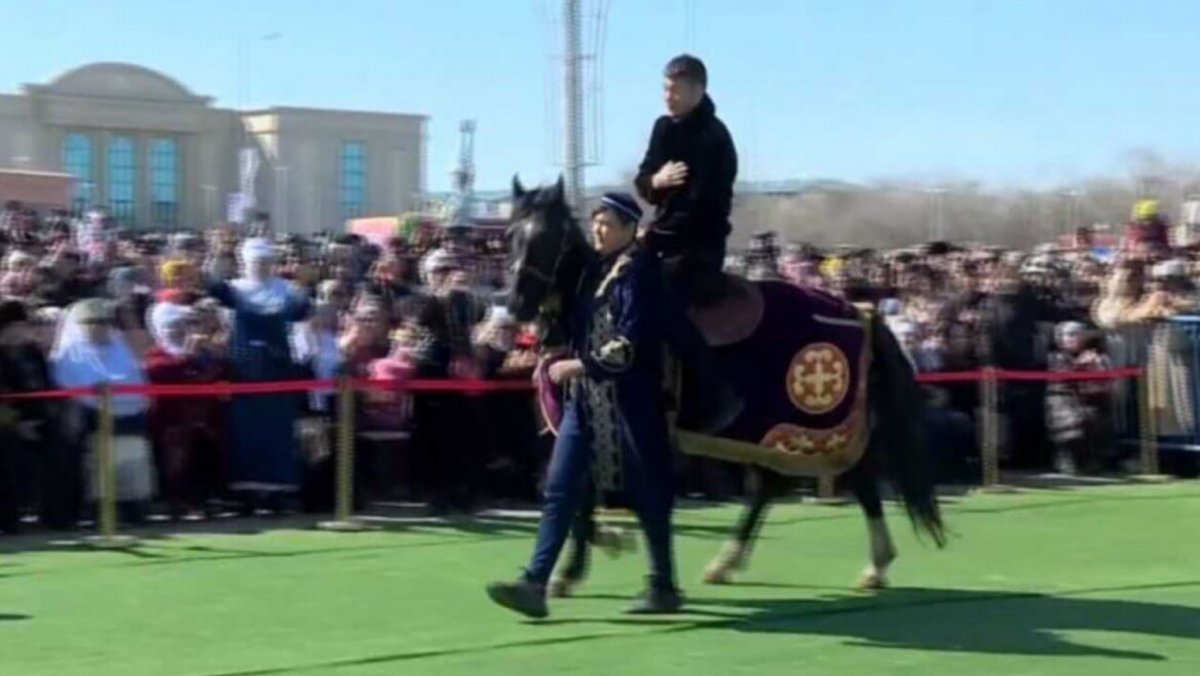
x,y
617,333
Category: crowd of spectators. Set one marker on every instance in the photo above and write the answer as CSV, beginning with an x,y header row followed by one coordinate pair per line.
x,y
83,301
1062,307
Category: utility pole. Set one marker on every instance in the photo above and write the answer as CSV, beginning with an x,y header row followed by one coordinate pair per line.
x,y
572,104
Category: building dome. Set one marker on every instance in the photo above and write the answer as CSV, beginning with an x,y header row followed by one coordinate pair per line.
x,y
120,80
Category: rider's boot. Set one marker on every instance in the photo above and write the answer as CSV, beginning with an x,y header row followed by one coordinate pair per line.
x,y
708,403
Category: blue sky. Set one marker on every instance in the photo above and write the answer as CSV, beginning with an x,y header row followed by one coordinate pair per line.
x,y
1009,92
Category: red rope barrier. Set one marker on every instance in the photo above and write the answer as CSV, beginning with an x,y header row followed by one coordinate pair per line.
x,y
469,387
1070,376
1030,376
954,377
479,387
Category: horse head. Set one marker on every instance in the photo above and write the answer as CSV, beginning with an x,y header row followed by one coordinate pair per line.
x,y
541,234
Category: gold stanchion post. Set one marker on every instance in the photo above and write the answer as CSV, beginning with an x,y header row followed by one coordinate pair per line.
x,y
343,520
106,471
989,395
1148,429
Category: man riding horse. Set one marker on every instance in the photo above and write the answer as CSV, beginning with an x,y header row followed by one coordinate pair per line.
x,y
821,389
687,174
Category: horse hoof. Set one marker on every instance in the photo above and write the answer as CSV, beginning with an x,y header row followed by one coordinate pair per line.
x,y
614,541
718,575
873,582
561,588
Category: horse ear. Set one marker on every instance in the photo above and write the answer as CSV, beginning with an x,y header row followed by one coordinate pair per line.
x,y
517,188
560,188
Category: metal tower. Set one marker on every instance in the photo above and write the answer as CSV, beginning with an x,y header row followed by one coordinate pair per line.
x,y
464,172
574,113
461,205
572,103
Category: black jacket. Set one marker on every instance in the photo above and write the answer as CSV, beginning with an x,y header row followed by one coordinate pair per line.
x,y
696,214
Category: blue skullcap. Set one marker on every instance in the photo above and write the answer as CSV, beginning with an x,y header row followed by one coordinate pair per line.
x,y
624,204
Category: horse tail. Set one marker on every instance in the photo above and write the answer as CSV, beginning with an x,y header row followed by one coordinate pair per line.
x,y
898,433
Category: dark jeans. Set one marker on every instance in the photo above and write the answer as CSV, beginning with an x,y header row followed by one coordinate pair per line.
x,y
647,481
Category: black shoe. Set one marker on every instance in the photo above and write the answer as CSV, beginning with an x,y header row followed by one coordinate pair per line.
x,y
522,596
657,600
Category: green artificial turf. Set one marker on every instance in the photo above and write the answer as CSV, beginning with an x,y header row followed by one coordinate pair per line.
x,y
1085,581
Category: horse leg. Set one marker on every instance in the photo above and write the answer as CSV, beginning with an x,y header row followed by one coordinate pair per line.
x,y
763,486
863,482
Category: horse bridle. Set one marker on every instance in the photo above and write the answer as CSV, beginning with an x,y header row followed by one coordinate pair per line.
x,y
549,278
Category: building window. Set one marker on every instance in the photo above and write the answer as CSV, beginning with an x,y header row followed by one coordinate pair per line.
x,y
77,161
122,179
353,178
164,182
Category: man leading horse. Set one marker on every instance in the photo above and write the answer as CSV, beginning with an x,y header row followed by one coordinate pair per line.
x,y
614,418
614,429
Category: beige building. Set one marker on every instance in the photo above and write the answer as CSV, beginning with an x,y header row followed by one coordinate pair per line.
x,y
159,156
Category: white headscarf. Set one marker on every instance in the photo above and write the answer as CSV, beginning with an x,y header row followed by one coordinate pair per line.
x,y
438,260
17,257
162,317
77,362
266,293
1065,329
318,346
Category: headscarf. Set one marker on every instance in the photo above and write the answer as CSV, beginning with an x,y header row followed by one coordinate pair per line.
x,y
327,289
438,260
1169,269
318,347
182,242
832,267
77,362
904,330
1065,329
162,317
498,330
122,281
254,250
266,293
16,258
175,272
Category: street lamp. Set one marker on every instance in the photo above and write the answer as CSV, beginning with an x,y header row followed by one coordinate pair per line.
x,y
243,63
936,226
210,203
1072,196
281,172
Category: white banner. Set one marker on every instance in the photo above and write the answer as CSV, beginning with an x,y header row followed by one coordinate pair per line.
x,y
247,172
1191,212
235,207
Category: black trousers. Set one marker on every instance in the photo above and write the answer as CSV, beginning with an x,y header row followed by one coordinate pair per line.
x,y
695,275
11,450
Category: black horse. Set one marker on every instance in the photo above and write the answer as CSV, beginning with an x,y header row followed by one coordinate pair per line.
x,y
549,252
